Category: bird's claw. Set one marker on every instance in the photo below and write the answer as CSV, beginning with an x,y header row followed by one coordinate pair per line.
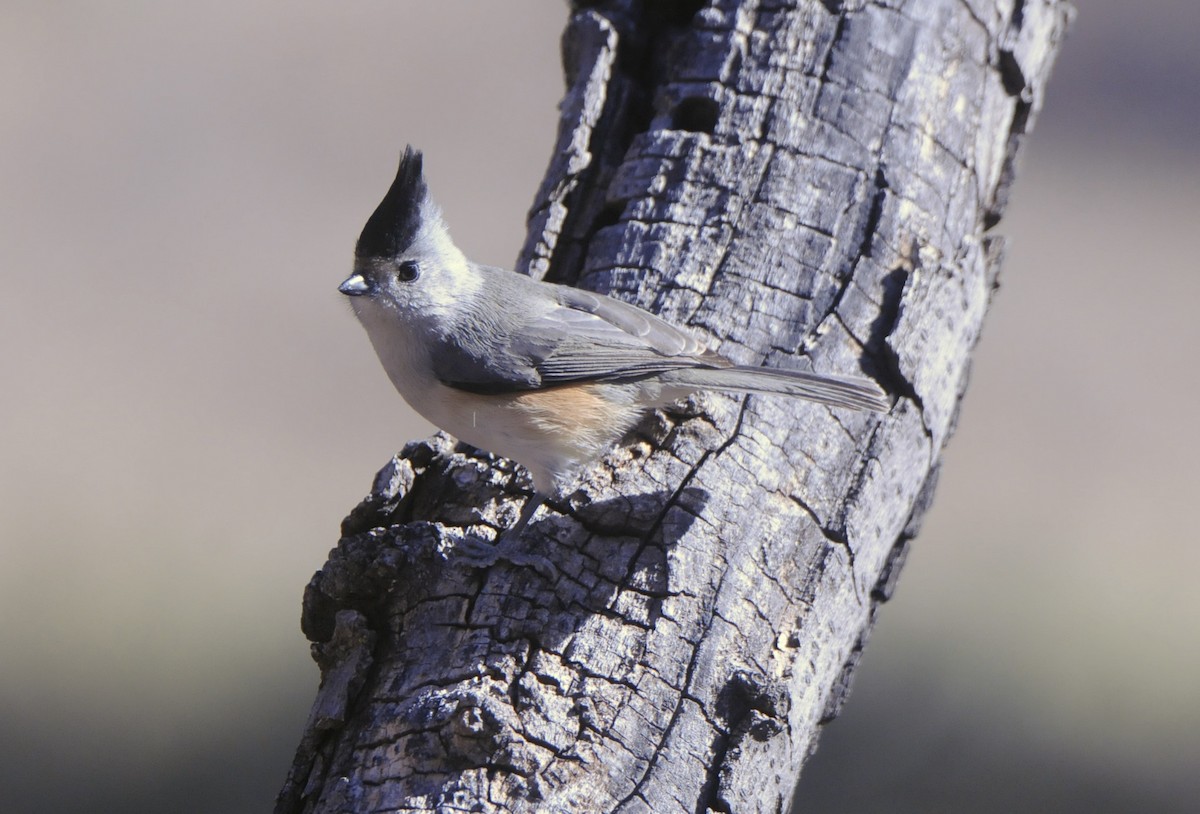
x,y
483,554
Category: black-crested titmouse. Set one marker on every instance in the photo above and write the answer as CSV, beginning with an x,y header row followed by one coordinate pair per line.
x,y
547,375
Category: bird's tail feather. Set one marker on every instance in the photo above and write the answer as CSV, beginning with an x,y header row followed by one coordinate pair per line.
x,y
836,391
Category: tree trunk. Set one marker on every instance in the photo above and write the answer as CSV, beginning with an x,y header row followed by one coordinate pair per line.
x,y
807,183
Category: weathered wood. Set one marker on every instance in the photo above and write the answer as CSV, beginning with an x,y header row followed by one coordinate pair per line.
x,y
806,183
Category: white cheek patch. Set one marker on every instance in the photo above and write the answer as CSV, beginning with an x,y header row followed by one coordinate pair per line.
x,y
453,282
458,285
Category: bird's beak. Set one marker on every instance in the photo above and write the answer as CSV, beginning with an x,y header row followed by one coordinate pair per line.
x,y
354,286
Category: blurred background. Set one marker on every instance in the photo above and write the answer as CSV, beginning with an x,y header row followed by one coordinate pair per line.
x,y
188,409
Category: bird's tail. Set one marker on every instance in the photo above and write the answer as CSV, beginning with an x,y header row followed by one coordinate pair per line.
x,y
836,391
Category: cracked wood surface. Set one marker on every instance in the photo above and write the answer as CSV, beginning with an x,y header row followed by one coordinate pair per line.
x,y
806,183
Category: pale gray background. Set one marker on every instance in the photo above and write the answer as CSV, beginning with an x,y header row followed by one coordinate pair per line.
x,y
188,409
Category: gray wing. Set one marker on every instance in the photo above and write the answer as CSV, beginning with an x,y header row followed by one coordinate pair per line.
x,y
604,339
540,335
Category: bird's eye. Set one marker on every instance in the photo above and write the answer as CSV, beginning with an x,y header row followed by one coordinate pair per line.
x,y
408,271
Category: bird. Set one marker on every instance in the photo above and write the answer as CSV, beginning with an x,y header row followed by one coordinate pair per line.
x,y
547,375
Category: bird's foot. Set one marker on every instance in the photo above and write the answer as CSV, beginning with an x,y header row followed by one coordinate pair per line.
x,y
483,554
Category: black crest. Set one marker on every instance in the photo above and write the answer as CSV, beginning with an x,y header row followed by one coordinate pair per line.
x,y
393,225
